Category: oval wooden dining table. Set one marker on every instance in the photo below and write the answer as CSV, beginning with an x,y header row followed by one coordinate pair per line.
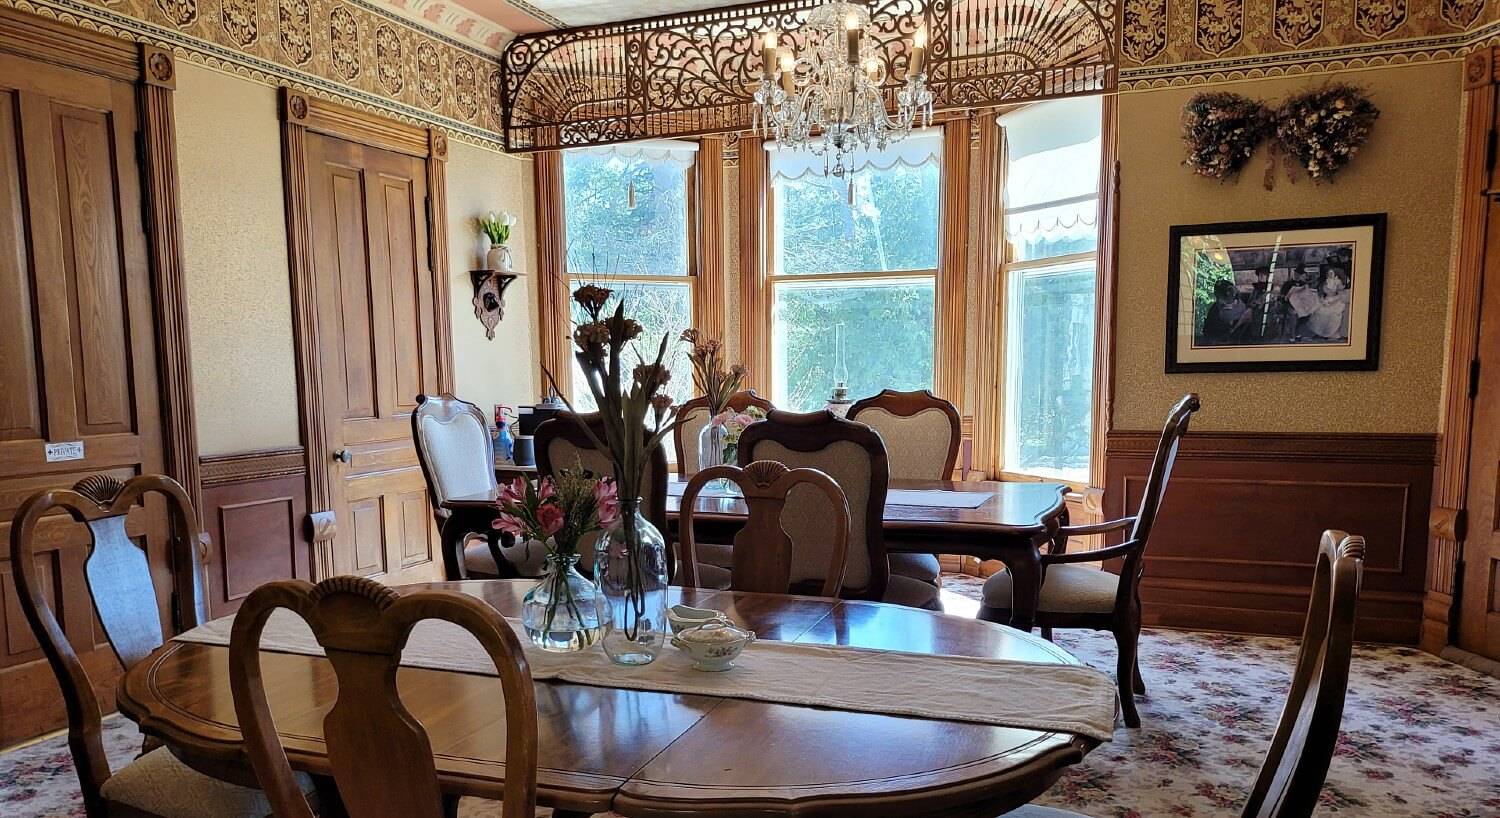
x,y
642,753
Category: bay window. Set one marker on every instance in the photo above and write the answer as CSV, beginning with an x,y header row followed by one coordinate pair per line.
x,y
1051,207
853,266
628,228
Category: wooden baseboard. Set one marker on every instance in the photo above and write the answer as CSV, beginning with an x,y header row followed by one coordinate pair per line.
x,y
254,510
1234,546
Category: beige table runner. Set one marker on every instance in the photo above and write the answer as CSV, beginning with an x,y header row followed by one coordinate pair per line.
x,y
1059,698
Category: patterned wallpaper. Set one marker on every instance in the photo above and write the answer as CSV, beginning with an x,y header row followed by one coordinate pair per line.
x,y
1174,42
349,50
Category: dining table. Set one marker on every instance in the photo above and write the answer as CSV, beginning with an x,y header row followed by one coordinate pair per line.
x,y
650,754
1014,522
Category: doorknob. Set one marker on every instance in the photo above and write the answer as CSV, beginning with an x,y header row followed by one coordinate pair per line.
x,y
343,456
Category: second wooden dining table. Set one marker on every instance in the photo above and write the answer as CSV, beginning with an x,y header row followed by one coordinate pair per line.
x,y
1014,524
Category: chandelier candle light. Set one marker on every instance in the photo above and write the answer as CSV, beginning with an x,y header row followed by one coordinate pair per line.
x,y
835,88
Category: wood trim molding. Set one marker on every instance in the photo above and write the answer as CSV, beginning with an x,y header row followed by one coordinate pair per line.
x,y
988,335
1106,280
262,464
709,285
1283,447
437,248
1450,484
53,41
953,262
554,316
755,296
330,118
158,137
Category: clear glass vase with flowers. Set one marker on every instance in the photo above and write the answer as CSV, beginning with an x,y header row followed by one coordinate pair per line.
x,y
563,611
636,415
717,381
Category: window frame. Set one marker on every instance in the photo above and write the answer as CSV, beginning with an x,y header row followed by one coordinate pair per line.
x,y
773,278
1008,268
691,280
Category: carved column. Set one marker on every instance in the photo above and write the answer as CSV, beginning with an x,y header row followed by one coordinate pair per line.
x,y
437,230
321,524
553,299
991,258
953,264
755,294
708,189
1447,533
164,245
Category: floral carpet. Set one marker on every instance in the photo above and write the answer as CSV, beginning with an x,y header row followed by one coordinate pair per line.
x,y
1421,736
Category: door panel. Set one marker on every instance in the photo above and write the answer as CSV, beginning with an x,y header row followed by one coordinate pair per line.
x,y
377,349
1479,614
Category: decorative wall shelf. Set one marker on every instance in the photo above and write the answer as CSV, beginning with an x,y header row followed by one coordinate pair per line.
x,y
489,297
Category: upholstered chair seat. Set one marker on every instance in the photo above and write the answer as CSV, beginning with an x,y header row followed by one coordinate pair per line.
x,y
159,784
1033,811
924,567
1068,589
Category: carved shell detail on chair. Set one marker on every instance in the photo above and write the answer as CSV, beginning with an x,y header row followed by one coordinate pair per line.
x,y
382,596
765,472
100,488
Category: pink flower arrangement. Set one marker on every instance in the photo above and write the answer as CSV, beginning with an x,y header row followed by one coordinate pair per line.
x,y
557,512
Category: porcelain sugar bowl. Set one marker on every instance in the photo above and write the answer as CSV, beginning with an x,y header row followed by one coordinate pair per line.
x,y
714,646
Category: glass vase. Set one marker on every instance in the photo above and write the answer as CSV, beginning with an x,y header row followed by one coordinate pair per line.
x,y
563,613
711,446
630,570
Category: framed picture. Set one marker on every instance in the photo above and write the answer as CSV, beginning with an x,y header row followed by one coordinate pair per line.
x,y
1276,296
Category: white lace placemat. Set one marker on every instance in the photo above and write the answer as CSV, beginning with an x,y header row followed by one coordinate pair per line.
x,y
1061,698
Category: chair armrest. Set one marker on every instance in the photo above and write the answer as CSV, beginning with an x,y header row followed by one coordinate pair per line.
x,y
1123,549
1096,528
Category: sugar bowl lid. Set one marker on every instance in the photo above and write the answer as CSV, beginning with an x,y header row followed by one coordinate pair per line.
x,y
716,633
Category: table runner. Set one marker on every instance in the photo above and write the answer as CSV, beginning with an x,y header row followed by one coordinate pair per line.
x,y
930,498
1004,693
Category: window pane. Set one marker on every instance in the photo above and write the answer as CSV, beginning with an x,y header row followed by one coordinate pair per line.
x,y
1049,371
605,235
1056,230
887,329
892,225
661,308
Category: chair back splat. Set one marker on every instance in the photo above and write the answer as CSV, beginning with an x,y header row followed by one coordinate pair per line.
x,y
381,757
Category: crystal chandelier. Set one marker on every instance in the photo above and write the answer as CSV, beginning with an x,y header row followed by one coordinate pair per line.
x,y
830,99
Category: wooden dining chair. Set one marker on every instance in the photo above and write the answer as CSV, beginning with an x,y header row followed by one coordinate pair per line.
x,y
124,596
561,444
922,433
693,415
380,754
1078,596
1296,764
764,559
452,439
852,454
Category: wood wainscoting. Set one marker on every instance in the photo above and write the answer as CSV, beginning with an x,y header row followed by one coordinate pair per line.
x,y
254,510
1235,545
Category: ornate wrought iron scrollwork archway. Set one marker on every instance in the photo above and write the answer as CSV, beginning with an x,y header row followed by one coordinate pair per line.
x,y
695,73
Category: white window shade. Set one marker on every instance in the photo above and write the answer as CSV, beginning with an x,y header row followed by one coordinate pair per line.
x,y
678,152
1052,151
921,146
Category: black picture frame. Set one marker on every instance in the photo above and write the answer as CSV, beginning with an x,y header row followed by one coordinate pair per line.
x,y
1262,357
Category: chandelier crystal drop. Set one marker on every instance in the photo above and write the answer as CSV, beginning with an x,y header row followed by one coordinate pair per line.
x,y
830,99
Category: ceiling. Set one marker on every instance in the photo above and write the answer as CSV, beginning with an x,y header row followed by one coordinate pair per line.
x,y
489,24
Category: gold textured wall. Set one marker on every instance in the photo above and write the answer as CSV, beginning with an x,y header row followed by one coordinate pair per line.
x,y
235,255
503,370
1408,169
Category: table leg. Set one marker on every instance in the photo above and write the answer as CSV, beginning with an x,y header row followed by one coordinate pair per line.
x,y
1026,584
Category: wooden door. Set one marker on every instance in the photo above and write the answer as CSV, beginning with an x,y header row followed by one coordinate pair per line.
x,y
1479,604
77,353
377,339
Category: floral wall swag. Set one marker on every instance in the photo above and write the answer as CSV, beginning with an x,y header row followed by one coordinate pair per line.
x,y
1317,132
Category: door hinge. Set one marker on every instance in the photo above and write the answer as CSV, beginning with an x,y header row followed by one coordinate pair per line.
x,y
1474,379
